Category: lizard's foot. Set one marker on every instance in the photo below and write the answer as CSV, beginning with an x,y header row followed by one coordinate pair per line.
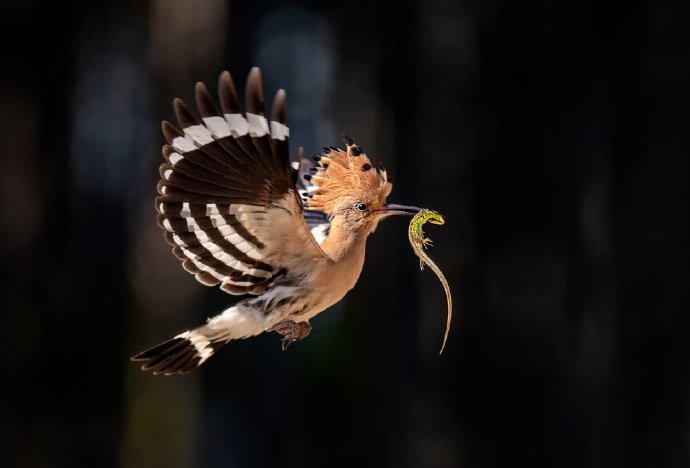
x,y
426,242
291,331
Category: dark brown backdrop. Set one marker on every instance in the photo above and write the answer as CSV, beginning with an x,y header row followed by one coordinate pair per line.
x,y
553,136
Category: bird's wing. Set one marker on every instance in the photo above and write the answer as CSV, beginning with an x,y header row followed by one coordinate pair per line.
x,y
228,199
318,222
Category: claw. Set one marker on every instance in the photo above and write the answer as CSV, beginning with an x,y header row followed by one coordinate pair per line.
x,y
291,331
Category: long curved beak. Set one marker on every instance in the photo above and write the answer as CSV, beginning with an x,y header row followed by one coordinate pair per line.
x,y
390,209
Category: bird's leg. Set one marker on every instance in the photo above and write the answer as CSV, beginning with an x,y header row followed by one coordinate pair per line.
x,y
291,331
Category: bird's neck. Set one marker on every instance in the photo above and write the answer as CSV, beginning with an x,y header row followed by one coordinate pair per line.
x,y
343,242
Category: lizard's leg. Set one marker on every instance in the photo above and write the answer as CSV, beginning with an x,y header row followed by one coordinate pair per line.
x,y
426,242
291,331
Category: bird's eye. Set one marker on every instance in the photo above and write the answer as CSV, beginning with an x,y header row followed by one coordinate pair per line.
x,y
361,206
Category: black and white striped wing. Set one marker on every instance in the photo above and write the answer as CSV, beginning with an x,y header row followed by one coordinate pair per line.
x,y
228,200
318,222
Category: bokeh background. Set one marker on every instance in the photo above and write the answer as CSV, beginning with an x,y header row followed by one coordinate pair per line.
x,y
552,135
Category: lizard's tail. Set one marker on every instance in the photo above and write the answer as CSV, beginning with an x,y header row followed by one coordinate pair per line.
x,y
187,351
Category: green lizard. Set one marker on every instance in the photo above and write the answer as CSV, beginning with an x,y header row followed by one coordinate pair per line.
x,y
419,243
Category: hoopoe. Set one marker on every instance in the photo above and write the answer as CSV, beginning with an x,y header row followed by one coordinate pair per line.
x,y
234,215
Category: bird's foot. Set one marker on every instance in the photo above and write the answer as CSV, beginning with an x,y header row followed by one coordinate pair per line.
x,y
291,331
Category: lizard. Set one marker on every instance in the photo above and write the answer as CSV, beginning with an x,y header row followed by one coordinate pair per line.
x,y
419,243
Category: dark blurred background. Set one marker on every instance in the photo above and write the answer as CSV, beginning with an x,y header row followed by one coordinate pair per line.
x,y
552,135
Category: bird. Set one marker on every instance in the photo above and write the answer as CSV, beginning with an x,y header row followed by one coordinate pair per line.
x,y
241,214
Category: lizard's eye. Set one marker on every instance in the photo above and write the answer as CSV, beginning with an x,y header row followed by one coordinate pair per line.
x,y
361,207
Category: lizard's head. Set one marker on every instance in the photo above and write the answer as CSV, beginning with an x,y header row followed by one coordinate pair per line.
x,y
433,217
347,186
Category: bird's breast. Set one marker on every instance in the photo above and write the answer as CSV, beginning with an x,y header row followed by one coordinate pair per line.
x,y
330,281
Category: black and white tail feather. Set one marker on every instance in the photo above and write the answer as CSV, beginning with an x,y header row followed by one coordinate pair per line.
x,y
187,351
232,213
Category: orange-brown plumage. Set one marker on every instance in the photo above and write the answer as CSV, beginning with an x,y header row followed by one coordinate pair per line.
x,y
347,174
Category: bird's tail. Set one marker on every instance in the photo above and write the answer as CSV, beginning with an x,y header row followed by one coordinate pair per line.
x,y
187,351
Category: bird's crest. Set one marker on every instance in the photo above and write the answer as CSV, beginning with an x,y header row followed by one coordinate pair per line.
x,y
346,173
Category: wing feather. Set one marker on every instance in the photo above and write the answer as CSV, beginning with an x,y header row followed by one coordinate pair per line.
x,y
228,200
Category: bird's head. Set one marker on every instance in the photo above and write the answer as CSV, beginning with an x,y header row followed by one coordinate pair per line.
x,y
349,189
